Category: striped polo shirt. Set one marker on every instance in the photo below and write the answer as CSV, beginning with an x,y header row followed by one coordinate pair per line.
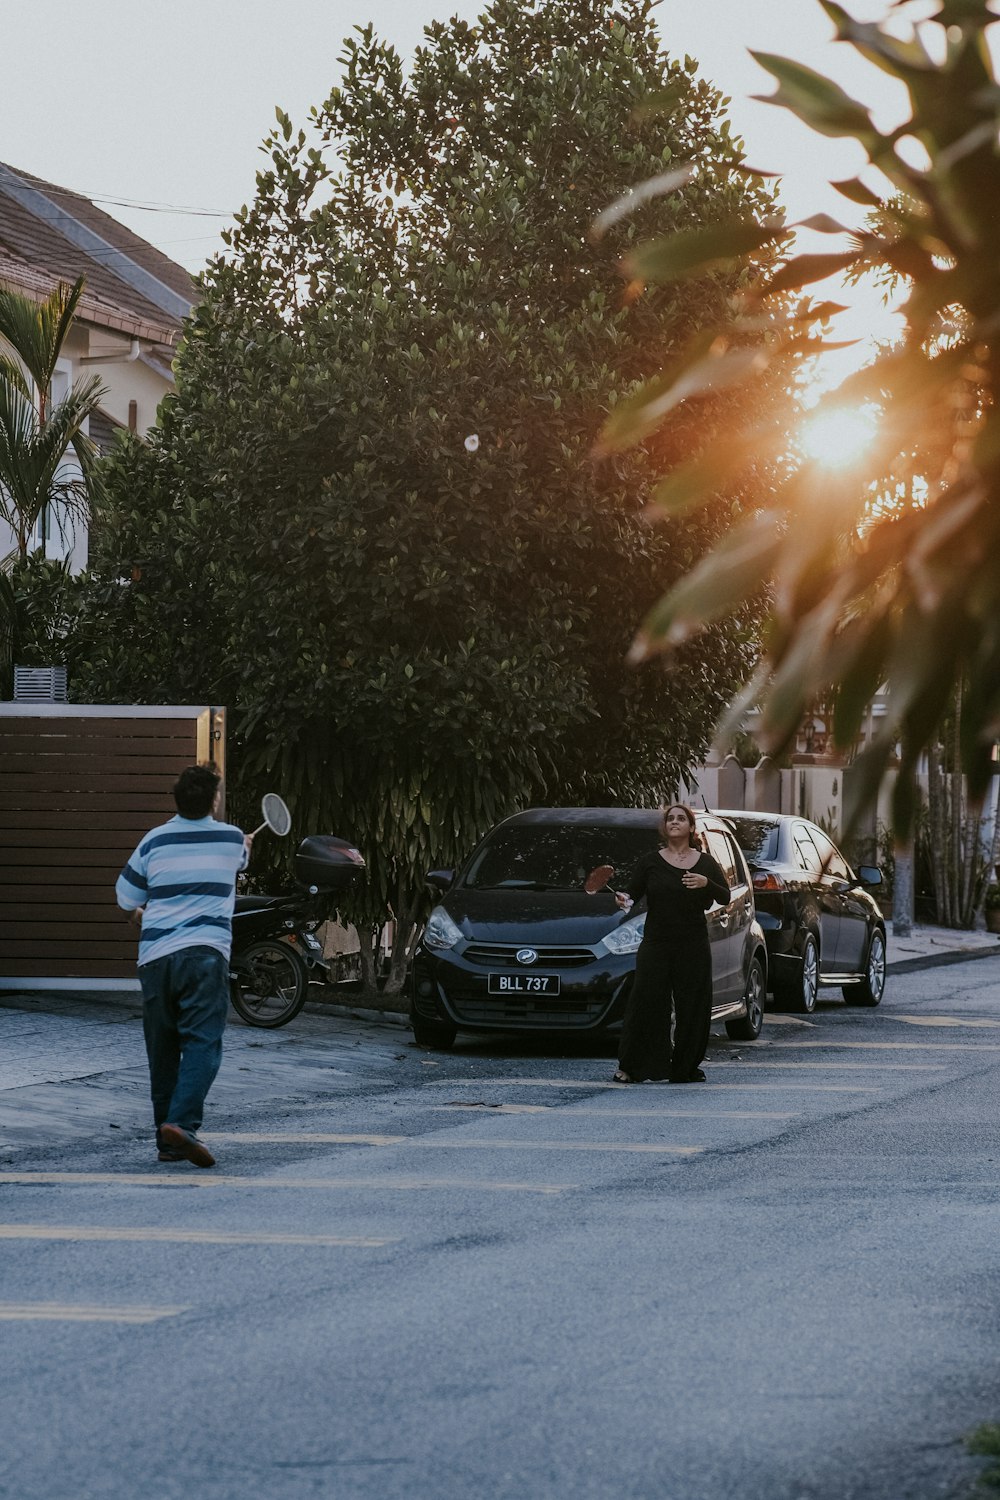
x,y
184,876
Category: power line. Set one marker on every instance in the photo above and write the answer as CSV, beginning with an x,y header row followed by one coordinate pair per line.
x,y
164,208
112,251
136,203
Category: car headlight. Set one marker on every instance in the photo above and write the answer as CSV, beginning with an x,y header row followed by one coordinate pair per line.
x,y
441,931
627,937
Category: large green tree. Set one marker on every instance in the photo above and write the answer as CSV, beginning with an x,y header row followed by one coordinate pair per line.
x,y
371,520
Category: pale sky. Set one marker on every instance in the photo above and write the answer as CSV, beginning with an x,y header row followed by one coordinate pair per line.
x,y
165,102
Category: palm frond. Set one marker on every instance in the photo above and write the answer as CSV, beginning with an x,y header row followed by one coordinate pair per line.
x,y
36,331
12,372
36,466
46,456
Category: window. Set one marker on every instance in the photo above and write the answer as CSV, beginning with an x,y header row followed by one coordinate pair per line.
x,y
739,864
721,851
833,861
806,850
556,856
757,838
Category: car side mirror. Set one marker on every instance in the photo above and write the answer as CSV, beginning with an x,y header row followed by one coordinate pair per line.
x,y
442,879
869,874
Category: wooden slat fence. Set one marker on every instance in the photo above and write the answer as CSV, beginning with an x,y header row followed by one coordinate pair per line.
x,y
79,786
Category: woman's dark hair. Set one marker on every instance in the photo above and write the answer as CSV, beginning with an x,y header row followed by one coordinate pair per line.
x,y
694,838
194,791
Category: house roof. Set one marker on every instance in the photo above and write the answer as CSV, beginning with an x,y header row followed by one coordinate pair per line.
x,y
50,234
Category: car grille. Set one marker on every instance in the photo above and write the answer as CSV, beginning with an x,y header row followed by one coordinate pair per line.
x,y
517,1010
503,956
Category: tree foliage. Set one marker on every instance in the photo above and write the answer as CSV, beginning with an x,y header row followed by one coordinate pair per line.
x,y
898,594
370,520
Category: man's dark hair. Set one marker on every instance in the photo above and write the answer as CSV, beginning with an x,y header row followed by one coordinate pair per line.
x,y
194,791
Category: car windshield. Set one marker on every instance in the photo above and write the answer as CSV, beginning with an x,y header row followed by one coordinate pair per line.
x,y
757,839
556,856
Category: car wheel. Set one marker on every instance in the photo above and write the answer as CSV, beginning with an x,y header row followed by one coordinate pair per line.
x,y
747,1028
800,994
872,987
437,1034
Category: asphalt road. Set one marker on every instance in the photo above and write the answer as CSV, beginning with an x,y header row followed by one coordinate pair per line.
x,y
490,1273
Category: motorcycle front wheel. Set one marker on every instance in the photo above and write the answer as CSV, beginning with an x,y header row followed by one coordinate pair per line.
x,y
268,984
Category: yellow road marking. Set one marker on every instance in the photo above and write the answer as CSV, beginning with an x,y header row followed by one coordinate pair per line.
x,y
573,1110
716,1073
802,1088
765,1062
398,1140
807,1046
779,1021
432,1141
946,1021
714,1078
293,1138
456,1145
185,1179
183,1236
528,1083
500,1109
53,1312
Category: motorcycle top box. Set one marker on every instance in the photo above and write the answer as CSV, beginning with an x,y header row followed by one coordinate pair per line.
x,y
329,863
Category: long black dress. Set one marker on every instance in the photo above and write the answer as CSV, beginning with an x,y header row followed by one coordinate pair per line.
x,y
673,970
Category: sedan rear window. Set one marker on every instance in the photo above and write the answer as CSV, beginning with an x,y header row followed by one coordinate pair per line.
x,y
556,856
757,839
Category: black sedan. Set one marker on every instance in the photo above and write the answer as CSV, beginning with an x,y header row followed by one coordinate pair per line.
x,y
517,944
823,927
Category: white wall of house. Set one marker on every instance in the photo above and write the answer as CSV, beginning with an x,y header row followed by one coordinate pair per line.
x,y
128,372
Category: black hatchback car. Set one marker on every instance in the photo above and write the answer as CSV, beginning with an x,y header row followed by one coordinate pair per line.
x,y
517,944
823,927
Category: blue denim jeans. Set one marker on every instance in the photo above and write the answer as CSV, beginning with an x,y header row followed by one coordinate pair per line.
x,y
185,996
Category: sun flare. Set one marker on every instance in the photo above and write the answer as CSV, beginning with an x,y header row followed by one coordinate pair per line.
x,y
839,439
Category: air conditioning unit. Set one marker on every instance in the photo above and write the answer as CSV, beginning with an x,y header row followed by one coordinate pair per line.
x,y
40,685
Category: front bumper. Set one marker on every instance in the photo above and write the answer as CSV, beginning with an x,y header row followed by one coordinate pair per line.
x,y
453,988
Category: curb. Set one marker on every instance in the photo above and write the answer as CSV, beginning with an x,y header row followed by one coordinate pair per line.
x,y
941,960
331,1008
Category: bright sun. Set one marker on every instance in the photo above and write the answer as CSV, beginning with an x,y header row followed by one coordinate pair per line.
x,y
839,439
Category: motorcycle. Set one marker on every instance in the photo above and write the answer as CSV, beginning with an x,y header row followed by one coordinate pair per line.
x,y
275,949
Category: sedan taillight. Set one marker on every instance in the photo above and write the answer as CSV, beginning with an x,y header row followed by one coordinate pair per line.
x,y
765,881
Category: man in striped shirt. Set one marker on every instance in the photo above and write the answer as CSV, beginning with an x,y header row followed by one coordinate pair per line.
x,y
182,879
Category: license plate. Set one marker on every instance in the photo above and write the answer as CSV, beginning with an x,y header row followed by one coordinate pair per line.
x,y
524,984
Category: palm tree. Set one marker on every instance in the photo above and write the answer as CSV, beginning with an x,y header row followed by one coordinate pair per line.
x,y
38,435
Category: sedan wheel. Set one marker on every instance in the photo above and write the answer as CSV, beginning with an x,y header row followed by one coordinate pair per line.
x,y
872,987
747,1028
802,992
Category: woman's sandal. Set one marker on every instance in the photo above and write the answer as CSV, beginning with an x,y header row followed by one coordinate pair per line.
x,y
620,1077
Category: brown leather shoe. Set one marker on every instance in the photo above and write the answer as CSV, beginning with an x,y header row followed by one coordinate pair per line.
x,y
174,1138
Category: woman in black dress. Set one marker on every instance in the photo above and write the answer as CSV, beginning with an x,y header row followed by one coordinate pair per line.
x,y
673,968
